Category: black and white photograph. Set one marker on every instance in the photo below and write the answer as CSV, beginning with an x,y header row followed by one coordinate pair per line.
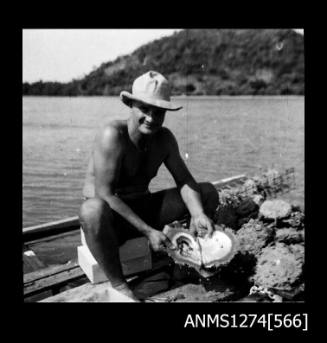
x,y
163,165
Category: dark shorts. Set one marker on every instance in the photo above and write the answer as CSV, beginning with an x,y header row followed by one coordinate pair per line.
x,y
156,209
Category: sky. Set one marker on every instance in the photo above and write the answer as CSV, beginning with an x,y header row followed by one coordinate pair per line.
x,y
66,54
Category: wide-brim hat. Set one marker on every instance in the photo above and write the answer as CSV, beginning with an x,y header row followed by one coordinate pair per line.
x,y
151,88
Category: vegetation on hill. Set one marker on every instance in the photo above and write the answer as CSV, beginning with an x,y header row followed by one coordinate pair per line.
x,y
201,62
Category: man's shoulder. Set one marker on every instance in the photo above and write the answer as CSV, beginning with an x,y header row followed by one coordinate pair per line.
x,y
115,125
112,132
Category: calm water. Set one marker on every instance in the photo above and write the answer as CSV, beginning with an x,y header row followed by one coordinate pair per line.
x,y
222,137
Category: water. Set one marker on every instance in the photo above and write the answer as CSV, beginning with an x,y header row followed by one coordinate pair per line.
x,y
218,137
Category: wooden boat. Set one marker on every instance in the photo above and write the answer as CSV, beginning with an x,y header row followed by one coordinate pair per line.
x,y
46,242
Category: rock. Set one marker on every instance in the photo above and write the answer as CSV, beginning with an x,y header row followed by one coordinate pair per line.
x,y
235,215
247,207
280,267
151,285
275,209
255,298
253,236
296,220
197,293
289,236
226,215
250,187
240,270
258,199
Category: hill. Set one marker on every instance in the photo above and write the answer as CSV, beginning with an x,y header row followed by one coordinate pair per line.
x,y
201,62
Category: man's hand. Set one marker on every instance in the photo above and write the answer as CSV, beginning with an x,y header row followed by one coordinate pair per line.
x,y
201,225
158,240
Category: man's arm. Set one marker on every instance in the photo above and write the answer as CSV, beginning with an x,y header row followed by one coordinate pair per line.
x,y
189,188
107,161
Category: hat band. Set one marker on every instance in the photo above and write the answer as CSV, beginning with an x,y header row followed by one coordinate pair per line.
x,y
153,96
148,100
152,101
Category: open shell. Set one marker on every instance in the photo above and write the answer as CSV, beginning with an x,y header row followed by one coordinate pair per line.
x,y
205,254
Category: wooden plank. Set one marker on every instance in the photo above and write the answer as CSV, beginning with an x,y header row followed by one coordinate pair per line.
x,y
58,223
52,228
38,296
229,180
43,279
48,271
73,232
54,280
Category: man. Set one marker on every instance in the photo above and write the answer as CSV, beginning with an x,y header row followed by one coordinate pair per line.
x,y
126,156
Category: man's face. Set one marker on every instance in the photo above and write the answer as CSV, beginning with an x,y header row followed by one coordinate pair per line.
x,y
149,118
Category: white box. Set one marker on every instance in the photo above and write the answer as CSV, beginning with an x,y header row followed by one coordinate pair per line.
x,y
135,256
89,265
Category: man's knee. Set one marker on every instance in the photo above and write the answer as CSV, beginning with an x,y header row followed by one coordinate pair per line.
x,y
93,213
209,195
